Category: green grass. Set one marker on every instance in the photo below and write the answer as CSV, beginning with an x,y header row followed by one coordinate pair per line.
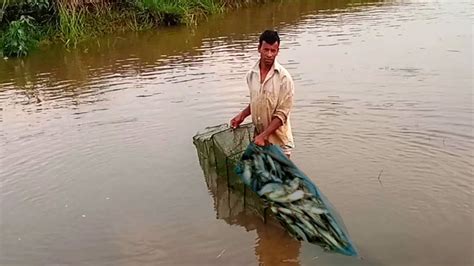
x,y
173,12
71,24
68,23
77,23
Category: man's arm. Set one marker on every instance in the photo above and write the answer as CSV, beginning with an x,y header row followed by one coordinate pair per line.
x,y
263,137
238,119
282,111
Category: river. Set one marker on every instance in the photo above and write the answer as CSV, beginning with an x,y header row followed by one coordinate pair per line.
x,y
98,165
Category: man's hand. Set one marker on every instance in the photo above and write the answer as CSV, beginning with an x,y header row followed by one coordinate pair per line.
x,y
260,140
236,121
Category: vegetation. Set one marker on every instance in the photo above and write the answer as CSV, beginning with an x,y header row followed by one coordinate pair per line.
x,y
19,38
25,23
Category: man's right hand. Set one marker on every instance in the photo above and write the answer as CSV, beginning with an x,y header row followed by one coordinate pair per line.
x,y
236,121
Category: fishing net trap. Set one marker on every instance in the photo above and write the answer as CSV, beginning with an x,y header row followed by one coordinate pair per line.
x,y
272,185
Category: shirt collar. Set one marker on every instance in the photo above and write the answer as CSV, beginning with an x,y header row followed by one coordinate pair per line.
x,y
276,66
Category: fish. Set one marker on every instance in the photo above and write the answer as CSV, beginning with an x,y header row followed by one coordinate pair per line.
x,y
317,210
285,218
276,193
317,202
271,163
295,183
333,231
286,211
291,201
269,188
279,172
307,225
316,220
278,160
297,195
306,230
274,209
295,208
298,232
247,172
332,223
258,162
330,239
263,175
277,179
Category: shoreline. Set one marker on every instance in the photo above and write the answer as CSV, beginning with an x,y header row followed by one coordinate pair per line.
x,y
24,26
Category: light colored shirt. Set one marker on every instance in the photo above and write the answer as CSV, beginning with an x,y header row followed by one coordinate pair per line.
x,y
270,99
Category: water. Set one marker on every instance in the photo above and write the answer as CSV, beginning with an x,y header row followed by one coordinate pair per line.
x,y
98,165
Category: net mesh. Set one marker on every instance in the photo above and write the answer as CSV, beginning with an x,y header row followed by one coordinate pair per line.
x,y
219,149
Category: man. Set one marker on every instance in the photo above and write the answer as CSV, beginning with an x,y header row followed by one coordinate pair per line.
x,y
271,97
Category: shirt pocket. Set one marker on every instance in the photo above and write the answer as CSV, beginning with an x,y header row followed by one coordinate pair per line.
x,y
271,94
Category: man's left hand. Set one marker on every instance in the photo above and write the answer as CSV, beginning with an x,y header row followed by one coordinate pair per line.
x,y
260,140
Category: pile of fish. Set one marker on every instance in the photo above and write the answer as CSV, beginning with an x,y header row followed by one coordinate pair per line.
x,y
298,208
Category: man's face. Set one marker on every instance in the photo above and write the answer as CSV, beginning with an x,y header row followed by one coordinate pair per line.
x,y
268,52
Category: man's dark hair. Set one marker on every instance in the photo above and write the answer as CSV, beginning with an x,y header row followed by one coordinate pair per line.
x,y
269,36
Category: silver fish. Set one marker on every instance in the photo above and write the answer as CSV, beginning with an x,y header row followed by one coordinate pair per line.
x,y
269,188
259,164
247,172
298,232
285,218
279,171
295,208
317,221
336,235
286,211
276,194
305,229
294,184
318,211
330,239
317,202
277,179
263,175
297,195
274,209
333,224
270,162
307,224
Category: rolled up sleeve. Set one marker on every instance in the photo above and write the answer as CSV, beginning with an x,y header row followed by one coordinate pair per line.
x,y
285,100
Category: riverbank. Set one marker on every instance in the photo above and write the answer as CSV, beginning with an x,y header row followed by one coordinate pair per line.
x,y
24,25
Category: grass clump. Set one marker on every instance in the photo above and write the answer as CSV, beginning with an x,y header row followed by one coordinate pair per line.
x,y
172,12
71,23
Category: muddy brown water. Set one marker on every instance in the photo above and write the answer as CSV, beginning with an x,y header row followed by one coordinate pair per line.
x,y
98,165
